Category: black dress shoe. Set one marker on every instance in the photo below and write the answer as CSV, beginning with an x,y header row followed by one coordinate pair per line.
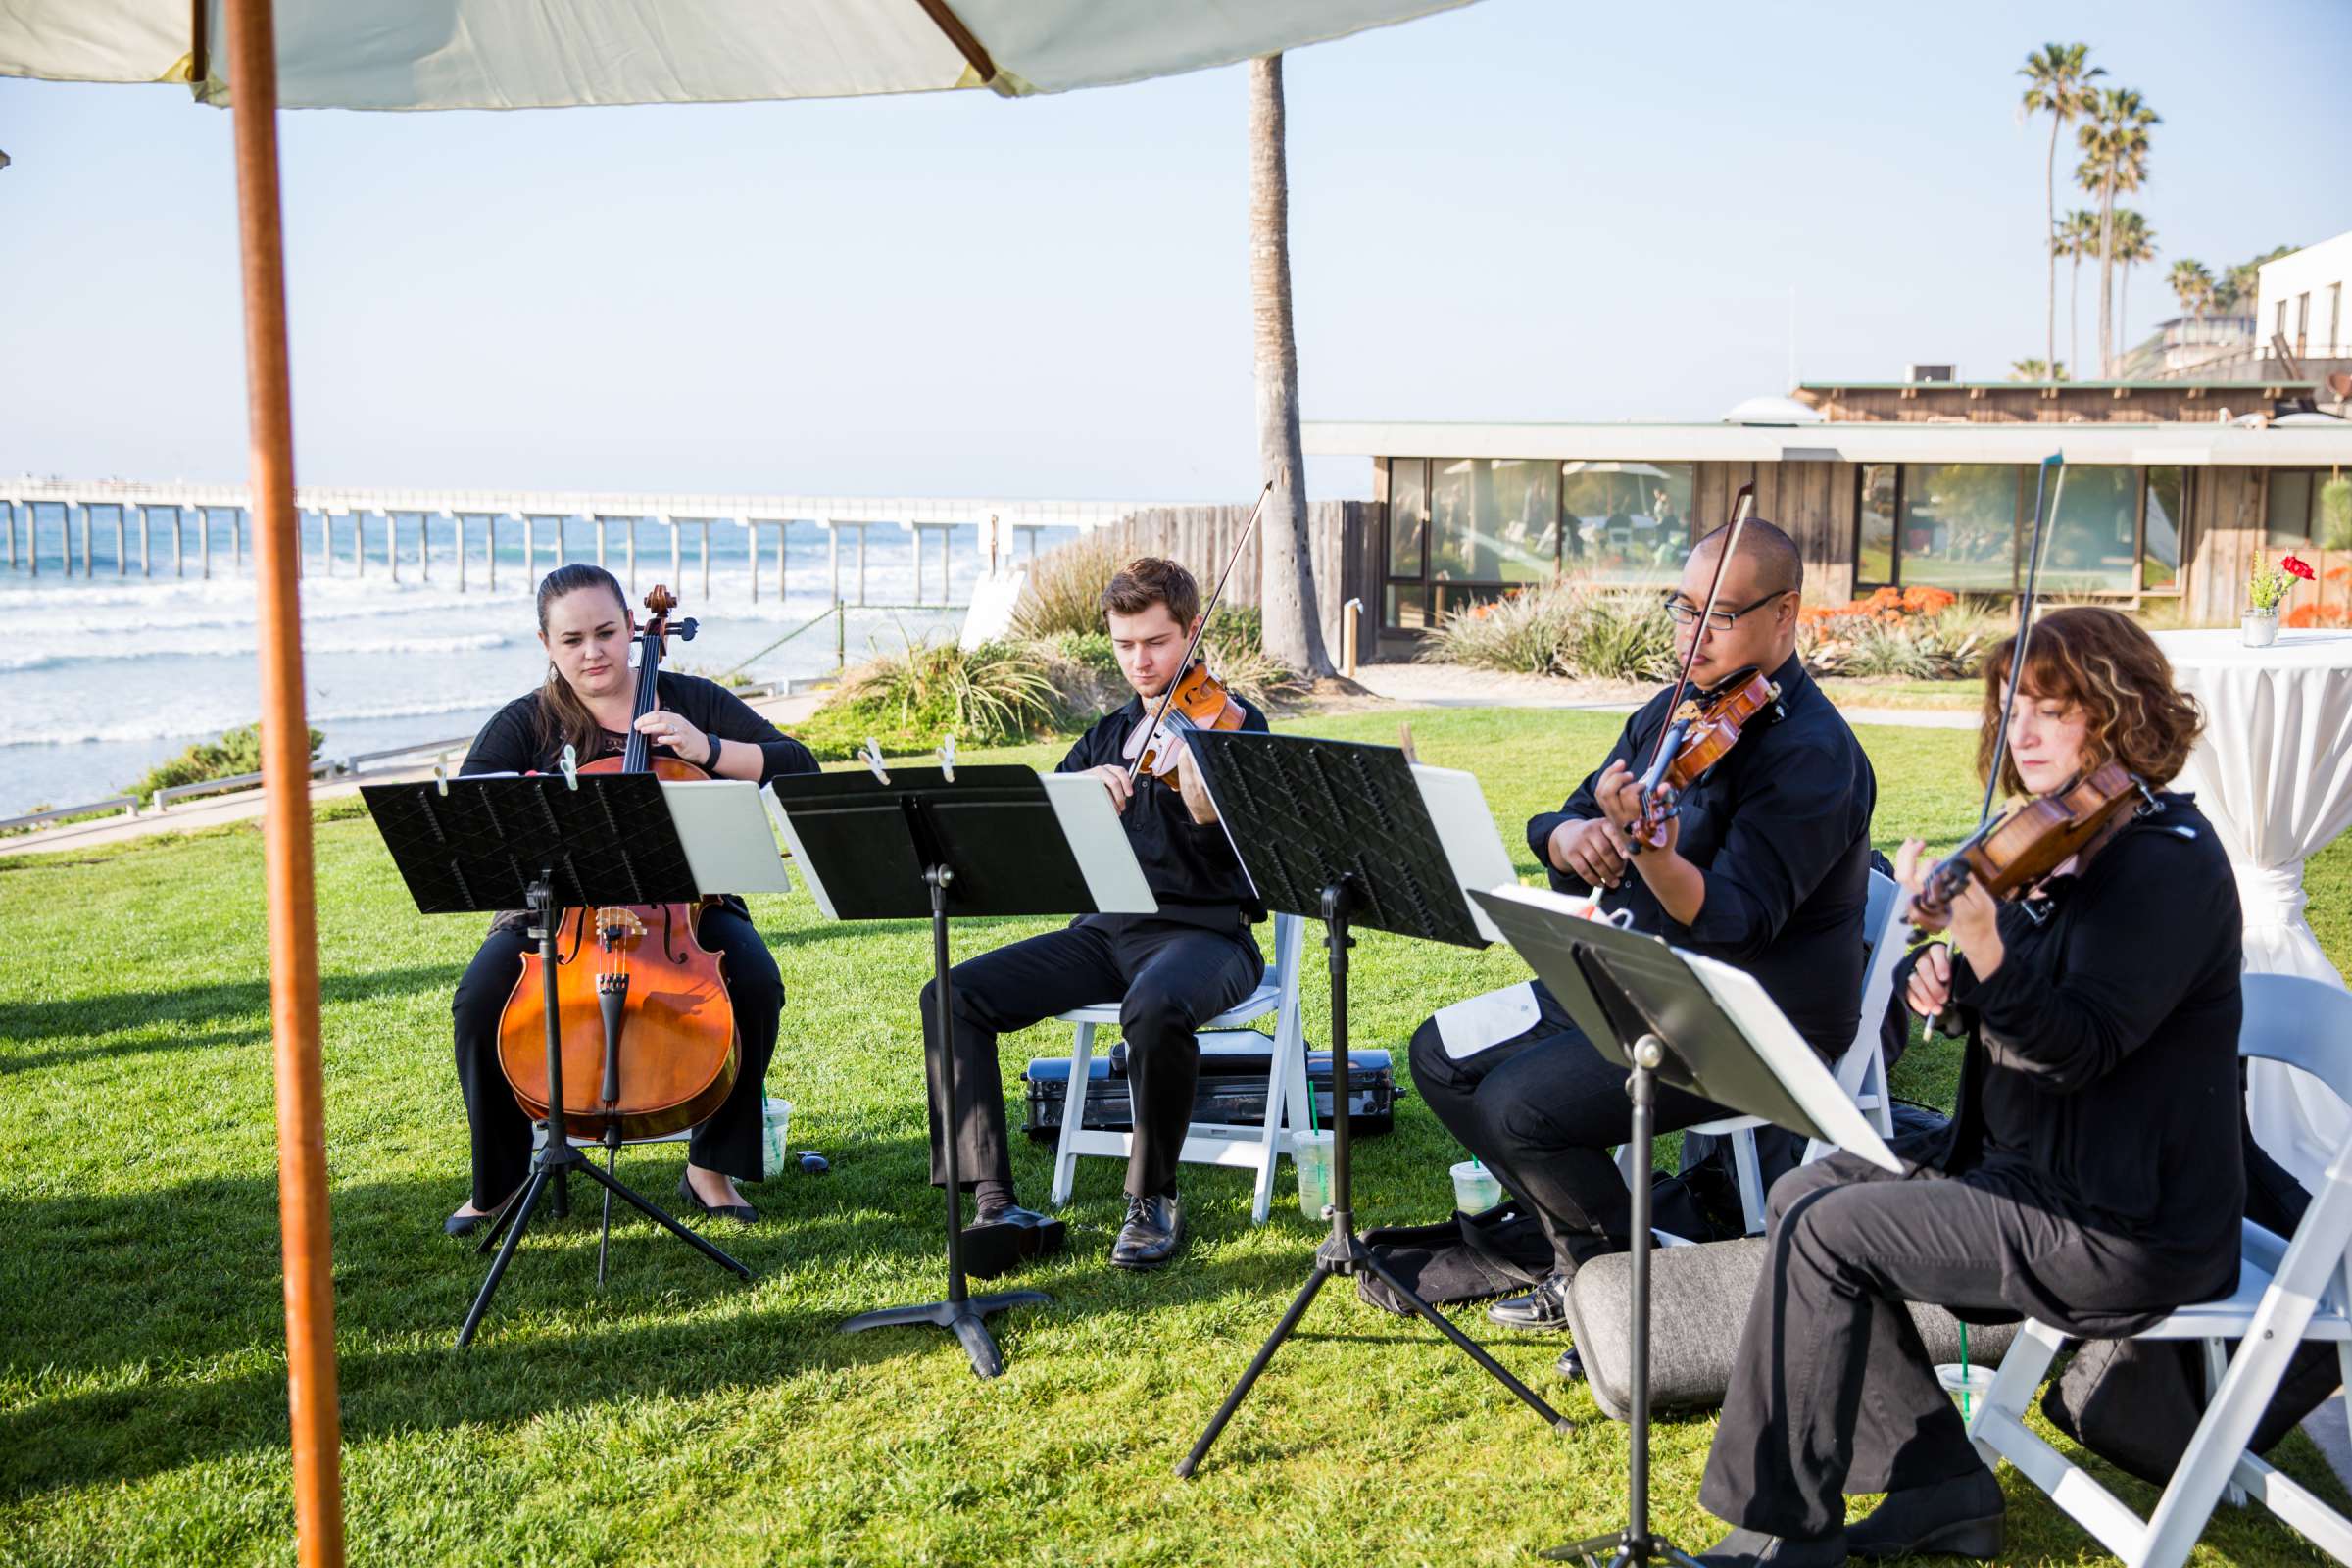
x,y
694,1200
1961,1517
1001,1239
1541,1310
466,1224
1154,1233
1570,1365
1748,1548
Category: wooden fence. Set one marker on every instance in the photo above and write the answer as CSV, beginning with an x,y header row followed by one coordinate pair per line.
x,y
1344,543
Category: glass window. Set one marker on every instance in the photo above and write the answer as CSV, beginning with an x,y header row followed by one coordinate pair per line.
x,y
1874,544
2160,545
1451,598
1408,515
1959,525
2287,511
1625,522
2094,543
1408,609
1479,521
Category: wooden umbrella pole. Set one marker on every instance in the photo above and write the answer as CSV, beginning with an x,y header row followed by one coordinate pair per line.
x,y
311,1380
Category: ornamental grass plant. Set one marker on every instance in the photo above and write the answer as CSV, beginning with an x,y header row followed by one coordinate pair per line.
x,y
1570,627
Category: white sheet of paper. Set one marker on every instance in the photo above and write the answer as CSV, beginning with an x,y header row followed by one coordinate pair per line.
x,y
1469,1027
1811,1084
728,843
1105,859
1466,832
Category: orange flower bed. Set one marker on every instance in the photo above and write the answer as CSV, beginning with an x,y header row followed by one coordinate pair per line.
x,y
2307,615
1882,603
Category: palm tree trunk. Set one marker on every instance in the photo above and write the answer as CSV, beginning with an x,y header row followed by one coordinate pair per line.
x,y
2049,238
2107,277
2122,314
1292,627
2073,314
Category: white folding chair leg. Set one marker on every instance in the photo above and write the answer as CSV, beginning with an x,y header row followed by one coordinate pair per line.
x,y
1270,1139
1073,1115
1751,1178
2217,1367
2023,1366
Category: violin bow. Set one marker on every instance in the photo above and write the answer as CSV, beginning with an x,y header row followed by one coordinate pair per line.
x,y
2024,622
1742,504
1169,694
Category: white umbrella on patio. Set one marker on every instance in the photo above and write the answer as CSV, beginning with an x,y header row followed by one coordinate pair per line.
x,y
516,54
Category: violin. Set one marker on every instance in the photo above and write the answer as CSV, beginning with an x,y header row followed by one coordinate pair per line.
x,y
1195,699
648,1028
2013,854
1699,733
1706,728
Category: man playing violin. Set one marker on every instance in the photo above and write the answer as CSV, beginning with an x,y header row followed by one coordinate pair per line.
x,y
1766,866
1170,970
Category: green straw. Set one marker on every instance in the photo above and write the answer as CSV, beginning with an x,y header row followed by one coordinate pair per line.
x,y
1964,1385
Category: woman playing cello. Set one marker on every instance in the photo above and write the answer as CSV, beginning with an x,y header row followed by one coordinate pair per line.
x,y
587,701
2093,1179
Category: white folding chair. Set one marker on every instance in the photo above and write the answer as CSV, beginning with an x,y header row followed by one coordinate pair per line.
x,y
1256,1148
1861,1071
2287,1291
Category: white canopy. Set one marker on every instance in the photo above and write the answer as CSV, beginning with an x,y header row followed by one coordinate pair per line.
x,y
546,54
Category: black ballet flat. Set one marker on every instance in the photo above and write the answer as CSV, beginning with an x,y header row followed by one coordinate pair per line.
x,y
466,1224
743,1213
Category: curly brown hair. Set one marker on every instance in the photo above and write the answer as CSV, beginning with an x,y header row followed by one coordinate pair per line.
x,y
2103,662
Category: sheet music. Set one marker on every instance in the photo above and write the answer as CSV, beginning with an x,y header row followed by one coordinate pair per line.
x,y
1114,879
728,843
1466,832
1811,1084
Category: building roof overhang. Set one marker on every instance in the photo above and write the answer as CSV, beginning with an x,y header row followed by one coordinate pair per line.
x,y
2197,445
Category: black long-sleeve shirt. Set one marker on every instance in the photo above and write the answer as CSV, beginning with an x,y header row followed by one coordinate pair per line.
x,y
1781,827
1190,866
2102,1073
518,740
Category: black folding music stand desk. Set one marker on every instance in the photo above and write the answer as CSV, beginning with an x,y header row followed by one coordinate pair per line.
x,y
1706,1028
1339,832
547,844
950,843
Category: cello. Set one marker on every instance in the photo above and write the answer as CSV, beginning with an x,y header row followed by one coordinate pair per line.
x,y
647,1029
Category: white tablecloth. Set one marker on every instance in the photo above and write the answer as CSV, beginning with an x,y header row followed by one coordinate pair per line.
x,y
2274,774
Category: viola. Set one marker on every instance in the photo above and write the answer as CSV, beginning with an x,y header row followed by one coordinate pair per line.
x,y
2013,854
648,1027
1197,701
1700,734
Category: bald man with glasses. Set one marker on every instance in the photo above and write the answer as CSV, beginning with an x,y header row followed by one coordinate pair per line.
x,y
1767,867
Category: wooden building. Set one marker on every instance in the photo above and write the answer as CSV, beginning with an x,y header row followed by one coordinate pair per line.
x,y
2166,506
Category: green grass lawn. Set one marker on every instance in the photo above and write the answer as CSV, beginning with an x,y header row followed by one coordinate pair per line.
x,y
678,1416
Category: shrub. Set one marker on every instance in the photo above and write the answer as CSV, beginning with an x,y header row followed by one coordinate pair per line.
x,y
1064,591
993,695
237,751
1912,633
1568,626
2335,514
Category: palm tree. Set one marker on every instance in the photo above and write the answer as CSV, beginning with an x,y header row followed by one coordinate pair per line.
x,y
2078,236
2115,146
2057,83
1292,627
2135,246
2192,285
2035,370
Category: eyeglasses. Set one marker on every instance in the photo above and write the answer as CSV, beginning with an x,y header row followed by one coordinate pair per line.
x,y
1685,613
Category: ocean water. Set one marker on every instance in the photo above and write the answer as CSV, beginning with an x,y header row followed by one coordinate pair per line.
x,y
111,672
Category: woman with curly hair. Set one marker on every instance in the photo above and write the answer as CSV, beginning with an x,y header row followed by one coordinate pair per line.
x,y
2092,1178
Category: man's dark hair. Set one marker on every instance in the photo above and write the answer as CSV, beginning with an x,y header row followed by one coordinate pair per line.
x,y
1149,580
1778,567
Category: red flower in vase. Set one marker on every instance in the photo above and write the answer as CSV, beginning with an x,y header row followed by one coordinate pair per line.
x,y
2298,569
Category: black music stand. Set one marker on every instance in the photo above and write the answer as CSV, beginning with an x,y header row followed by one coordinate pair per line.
x,y
946,843
547,844
1706,1028
1340,831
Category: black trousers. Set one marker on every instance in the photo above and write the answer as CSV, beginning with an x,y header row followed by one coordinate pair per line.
x,y
1168,977
1832,1392
1542,1110
728,1141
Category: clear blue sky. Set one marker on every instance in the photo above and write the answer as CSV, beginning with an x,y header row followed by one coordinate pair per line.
x,y
1526,209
